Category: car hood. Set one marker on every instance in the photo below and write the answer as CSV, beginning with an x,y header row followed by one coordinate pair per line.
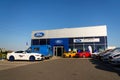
x,y
36,53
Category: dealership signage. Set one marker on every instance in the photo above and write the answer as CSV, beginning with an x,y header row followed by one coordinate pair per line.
x,y
58,41
39,34
86,40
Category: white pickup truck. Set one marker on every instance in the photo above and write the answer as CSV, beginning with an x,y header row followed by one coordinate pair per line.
x,y
24,55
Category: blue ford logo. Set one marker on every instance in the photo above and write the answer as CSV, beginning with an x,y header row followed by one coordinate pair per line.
x,y
39,34
58,41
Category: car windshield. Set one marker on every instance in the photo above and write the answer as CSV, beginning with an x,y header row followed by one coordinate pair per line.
x,y
28,51
116,50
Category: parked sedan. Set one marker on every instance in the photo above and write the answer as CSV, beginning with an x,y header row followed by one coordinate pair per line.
x,y
84,54
115,61
105,57
24,55
113,56
100,55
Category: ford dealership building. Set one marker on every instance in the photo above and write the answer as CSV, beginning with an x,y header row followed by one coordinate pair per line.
x,y
69,39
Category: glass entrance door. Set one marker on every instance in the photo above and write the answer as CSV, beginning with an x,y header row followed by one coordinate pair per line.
x,y
58,50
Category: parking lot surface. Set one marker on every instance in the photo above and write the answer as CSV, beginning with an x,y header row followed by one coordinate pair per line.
x,y
4,64
58,69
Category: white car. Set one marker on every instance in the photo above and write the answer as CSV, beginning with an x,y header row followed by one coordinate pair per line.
x,y
24,55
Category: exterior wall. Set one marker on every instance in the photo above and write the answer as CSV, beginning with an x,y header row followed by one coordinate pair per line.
x,y
72,32
97,43
70,43
73,38
60,42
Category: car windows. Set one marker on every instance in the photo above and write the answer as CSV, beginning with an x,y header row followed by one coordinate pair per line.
x,y
117,55
36,49
116,50
19,51
28,51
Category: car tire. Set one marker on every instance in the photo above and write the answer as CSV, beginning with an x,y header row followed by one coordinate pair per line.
x,y
69,56
63,56
11,58
32,58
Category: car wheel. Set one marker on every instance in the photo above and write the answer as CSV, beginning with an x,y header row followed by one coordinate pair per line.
x,y
11,58
63,56
32,58
69,56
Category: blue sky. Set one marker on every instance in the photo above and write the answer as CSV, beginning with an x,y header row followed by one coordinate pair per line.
x,y
18,18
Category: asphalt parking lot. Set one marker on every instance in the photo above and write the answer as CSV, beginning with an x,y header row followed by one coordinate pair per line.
x,y
4,64
57,69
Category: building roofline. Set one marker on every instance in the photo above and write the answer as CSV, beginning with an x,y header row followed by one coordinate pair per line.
x,y
73,28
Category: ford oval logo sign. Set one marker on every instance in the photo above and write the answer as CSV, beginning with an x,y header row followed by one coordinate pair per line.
x,y
58,41
39,34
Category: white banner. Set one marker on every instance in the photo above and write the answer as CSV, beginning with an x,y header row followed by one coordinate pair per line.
x,y
86,40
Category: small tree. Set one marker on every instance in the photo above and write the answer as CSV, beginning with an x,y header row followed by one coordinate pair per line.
x,y
0,50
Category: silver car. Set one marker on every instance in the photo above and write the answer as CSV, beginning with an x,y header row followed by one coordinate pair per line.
x,y
115,61
106,56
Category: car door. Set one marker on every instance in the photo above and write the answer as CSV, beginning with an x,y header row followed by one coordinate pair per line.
x,y
20,55
25,55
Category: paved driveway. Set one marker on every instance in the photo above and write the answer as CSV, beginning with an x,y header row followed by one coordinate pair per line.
x,y
61,69
4,64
